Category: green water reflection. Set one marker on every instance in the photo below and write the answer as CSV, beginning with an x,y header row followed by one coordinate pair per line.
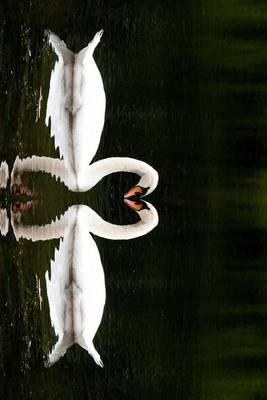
x,y
186,305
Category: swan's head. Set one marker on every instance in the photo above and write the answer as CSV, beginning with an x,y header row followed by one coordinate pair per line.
x,y
146,185
145,210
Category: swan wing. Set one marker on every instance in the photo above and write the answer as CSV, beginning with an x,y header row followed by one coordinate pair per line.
x,y
89,279
89,105
60,312
56,291
60,349
60,301
60,98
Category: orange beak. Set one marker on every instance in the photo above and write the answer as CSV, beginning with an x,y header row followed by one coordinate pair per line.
x,y
134,205
135,191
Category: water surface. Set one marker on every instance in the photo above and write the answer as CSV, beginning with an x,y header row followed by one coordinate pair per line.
x,y
186,305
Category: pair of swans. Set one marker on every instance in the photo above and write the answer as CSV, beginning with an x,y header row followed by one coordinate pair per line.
x,y
76,109
76,289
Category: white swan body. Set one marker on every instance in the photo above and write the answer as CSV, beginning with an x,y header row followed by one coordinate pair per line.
x,y
76,104
76,289
76,108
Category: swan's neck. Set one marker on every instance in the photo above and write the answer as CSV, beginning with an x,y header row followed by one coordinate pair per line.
x,y
87,218
82,180
99,169
104,229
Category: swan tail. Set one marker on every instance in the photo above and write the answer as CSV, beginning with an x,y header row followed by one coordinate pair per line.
x,y
96,40
60,48
60,349
96,356
89,50
98,361
84,340
90,348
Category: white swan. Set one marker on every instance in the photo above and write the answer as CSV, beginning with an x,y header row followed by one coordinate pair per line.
x,y
76,289
76,108
76,104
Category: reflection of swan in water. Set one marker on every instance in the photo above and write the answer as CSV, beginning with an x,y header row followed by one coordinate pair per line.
x,y
76,108
76,105
76,289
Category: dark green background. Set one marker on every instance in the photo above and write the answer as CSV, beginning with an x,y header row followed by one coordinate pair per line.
x,y
186,313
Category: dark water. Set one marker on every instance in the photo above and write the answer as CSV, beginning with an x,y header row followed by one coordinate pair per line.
x,y
186,314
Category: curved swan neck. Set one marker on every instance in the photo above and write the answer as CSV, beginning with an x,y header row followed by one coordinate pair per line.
x,y
110,165
104,229
84,179
87,219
